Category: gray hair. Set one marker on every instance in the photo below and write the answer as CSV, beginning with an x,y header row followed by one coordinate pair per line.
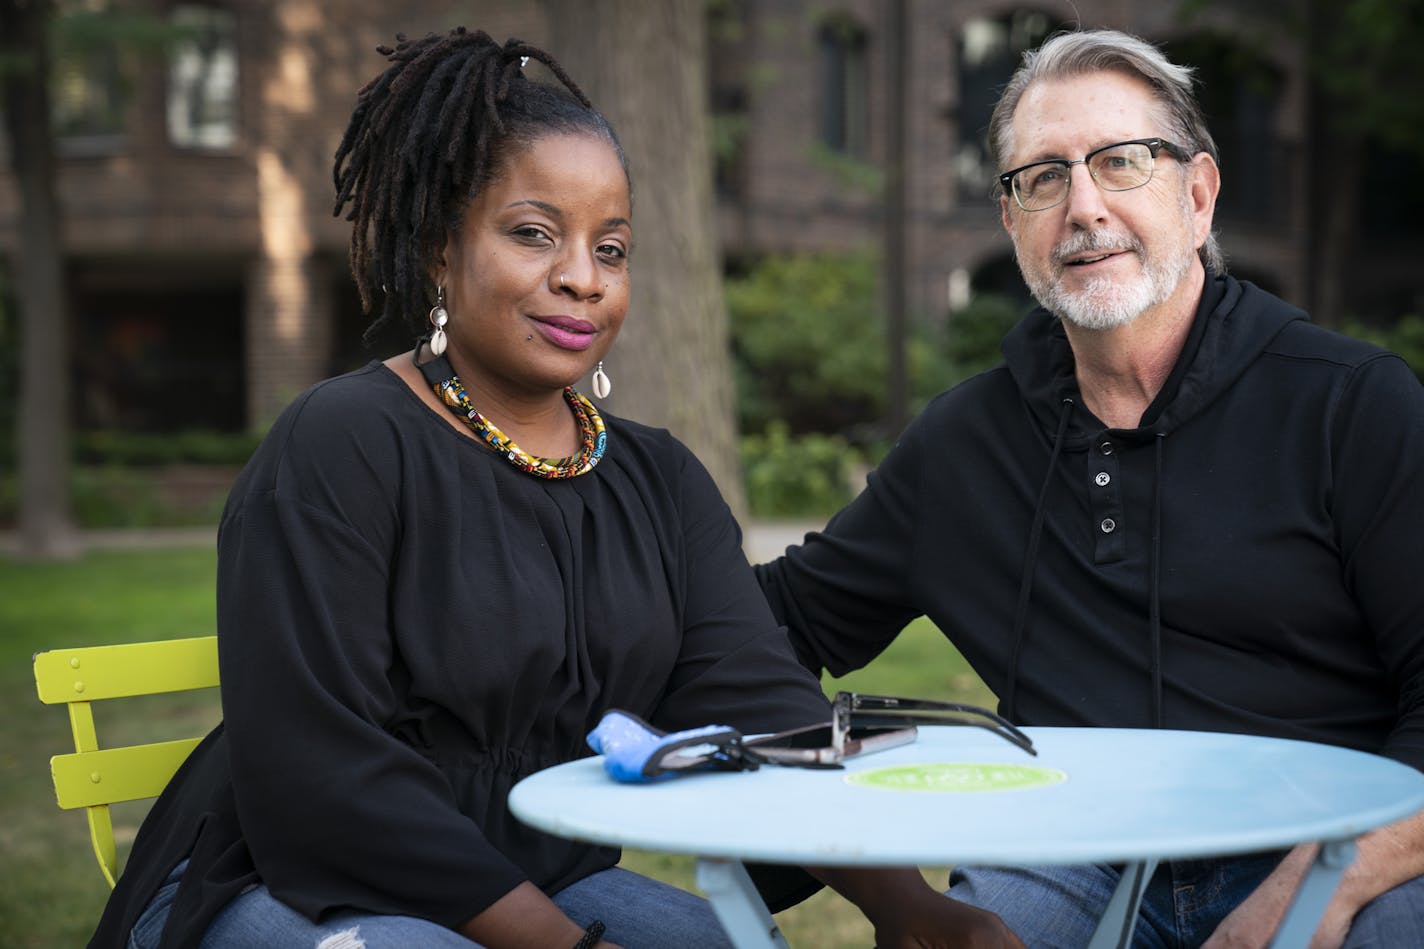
x,y
1086,51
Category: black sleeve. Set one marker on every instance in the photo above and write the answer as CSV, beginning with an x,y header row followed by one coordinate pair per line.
x,y
844,593
336,810
735,666
1378,508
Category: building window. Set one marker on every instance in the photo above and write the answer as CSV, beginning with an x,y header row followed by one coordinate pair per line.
x,y
202,79
728,96
845,111
990,49
93,82
1240,93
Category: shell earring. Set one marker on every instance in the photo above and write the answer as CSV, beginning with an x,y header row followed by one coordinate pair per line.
x,y
601,385
438,318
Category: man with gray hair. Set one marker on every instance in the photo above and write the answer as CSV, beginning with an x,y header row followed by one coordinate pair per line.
x,y
1177,504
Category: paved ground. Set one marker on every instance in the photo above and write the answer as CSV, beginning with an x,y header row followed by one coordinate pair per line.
x,y
763,540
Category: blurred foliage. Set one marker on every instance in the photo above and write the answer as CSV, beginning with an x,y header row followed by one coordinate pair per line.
x,y
138,449
811,362
808,337
810,475
972,339
9,376
115,496
1405,337
850,173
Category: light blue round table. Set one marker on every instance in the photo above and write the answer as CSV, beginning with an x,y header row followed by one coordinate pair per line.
x,y
962,795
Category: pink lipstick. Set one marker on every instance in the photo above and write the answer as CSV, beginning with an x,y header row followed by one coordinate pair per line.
x,y
566,332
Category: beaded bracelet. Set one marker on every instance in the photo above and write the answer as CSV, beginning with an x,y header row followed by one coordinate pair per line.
x,y
591,935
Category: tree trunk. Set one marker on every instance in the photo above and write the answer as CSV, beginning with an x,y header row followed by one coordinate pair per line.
x,y
644,66
46,524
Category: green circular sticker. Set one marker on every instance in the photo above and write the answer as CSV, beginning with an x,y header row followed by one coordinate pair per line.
x,y
960,776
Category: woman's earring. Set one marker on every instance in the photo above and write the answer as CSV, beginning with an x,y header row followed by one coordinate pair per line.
x,y
438,319
601,385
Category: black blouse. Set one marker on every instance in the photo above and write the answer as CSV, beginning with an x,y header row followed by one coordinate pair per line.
x,y
407,626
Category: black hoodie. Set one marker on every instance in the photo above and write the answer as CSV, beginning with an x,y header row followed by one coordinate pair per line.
x,y
1249,559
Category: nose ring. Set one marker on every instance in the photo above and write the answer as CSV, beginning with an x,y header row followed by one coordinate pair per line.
x,y
561,281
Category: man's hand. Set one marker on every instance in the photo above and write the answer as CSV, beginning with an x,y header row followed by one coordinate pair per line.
x,y
1384,858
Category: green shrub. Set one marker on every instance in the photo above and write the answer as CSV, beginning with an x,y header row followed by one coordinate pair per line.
x,y
1405,337
808,335
110,496
145,449
804,476
975,332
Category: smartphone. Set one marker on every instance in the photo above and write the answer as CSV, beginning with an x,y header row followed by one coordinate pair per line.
x,y
811,745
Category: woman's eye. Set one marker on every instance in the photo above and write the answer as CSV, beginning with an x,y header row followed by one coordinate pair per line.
x,y
612,251
530,233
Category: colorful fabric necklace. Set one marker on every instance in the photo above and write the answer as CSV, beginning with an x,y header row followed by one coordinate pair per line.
x,y
592,435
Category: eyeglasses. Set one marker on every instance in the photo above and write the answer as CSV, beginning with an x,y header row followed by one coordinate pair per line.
x,y
852,708
1120,167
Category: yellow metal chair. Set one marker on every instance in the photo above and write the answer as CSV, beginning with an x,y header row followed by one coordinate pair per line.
x,y
93,777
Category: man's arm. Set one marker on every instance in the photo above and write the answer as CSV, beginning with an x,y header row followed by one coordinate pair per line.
x,y
1384,858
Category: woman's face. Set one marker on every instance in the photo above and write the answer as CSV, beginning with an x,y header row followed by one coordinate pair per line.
x,y
536,279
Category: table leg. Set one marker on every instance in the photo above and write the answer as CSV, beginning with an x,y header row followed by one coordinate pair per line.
x,y
738,905
1120,918
1314,894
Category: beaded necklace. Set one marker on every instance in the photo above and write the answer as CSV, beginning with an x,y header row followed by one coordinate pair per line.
x,y
592,436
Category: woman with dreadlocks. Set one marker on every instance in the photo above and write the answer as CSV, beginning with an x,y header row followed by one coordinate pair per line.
x,y
437,572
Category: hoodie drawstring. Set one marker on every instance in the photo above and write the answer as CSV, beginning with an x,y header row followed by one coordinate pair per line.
x,y
1030,563
1154,606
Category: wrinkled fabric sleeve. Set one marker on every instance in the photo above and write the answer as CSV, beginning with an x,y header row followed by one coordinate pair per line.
x,y
1377,452
336,811
844,593
735,666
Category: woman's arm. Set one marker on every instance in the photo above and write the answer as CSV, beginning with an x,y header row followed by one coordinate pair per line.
x,y
908,913
524,918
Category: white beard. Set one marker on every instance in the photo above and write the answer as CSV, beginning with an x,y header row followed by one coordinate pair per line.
x,y
1105,303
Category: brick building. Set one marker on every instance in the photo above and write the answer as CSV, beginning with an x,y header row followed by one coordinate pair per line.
x,y
203,256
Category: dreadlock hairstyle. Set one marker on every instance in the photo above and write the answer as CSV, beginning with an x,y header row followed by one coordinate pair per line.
x,y
427,134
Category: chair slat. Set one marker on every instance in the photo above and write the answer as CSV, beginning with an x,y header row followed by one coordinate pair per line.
x,y
92,777
111,775
105,672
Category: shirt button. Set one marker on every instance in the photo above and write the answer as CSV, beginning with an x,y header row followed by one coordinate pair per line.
x,y
1106,448
1102,478
1108,525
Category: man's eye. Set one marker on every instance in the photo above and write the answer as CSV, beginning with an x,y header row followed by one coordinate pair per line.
x,y
1044,177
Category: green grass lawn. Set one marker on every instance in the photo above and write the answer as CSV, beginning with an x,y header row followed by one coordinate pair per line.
x,y
51,891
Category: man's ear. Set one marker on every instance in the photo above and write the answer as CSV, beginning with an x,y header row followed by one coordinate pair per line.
x,y
1004,214
1203,186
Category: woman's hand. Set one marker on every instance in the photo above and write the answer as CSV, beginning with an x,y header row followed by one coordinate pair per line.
x,y
908,913
524,918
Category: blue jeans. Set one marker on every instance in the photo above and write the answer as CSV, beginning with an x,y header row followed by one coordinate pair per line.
x,y
1059,907
640,914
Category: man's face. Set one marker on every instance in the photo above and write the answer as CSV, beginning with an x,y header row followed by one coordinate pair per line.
x,y
1102,258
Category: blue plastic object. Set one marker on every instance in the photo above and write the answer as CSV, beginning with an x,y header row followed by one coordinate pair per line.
x,y
636,752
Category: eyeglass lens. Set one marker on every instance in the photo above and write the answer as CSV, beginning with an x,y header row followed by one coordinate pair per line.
x,y
1116,168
